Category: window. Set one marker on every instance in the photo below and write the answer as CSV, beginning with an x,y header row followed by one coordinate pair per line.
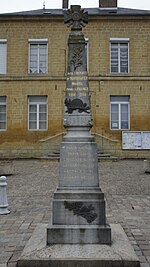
x,y
119,112
37,113
2,113
3,56
119,55
38,56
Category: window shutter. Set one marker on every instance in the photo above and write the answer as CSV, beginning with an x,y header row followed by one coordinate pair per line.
x,y
3,57
2,113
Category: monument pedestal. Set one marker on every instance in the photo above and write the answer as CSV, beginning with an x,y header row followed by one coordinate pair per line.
x,y
119,254
78,215
78,218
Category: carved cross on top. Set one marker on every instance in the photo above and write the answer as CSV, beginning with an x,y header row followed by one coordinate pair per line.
x,y
76,17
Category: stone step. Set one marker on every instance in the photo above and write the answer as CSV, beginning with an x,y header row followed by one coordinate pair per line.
x,y
101,156
54,155
111,158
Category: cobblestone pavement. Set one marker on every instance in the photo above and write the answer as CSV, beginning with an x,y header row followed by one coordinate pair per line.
x,y
30,190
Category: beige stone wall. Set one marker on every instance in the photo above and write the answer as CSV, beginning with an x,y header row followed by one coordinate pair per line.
x,y
17,84
139,112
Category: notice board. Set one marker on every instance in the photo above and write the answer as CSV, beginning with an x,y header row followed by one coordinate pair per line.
x,y
135,140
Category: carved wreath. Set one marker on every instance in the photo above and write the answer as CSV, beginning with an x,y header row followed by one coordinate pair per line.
x,y
76,60
80,209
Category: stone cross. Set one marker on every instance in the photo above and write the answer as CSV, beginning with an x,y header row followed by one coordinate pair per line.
x,y
76,18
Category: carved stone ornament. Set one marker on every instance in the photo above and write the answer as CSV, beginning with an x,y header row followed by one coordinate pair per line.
x,y
76,18
76,104
79,209
76,60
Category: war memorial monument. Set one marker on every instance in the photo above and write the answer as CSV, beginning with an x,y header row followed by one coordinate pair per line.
x,y
78,234
78,205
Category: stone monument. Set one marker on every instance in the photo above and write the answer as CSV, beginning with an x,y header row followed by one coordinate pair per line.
x,y
78,205
78,234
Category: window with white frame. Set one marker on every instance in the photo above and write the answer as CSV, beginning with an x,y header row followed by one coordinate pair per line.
x,y
119,55
38,55
2,113
37,113
119,112
3,56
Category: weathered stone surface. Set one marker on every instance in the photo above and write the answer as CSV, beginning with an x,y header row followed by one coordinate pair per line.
x,y
78,164
79,212
74,234
78,207
119,254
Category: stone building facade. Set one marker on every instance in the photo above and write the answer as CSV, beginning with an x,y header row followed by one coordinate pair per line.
x,y
33,49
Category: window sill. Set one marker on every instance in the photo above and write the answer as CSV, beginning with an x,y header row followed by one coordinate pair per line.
x,y
120,74
37,130
37,73
120,130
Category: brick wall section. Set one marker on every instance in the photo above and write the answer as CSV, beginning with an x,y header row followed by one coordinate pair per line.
x,y
17,85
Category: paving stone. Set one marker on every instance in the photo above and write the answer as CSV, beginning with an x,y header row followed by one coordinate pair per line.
x,y
142,259
133,242
143,242
7,254
136,247
15,256
138,252
145,265
4,260
146,252
12,264
148,258
145,247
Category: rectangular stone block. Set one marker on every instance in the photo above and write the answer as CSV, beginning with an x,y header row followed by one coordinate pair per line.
x,y
78,193
74,234
79,212
78,164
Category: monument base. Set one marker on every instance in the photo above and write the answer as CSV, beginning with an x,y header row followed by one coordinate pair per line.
x,y
119,254
74,234
78,217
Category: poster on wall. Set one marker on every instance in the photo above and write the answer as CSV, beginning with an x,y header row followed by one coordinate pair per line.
x,y
135,140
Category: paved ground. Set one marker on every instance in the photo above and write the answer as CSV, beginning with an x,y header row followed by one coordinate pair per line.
x,y
30,190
